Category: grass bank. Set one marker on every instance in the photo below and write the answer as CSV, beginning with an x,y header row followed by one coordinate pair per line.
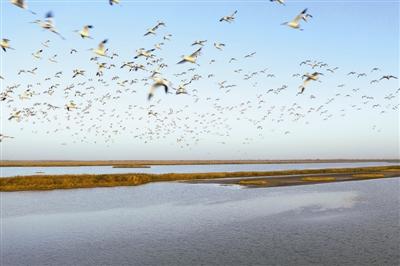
x,y
143,163
49,182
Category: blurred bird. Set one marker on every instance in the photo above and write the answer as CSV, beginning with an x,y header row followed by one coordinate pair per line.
x,y
5,44
295,23
191,58
84,33
158,82
21,4
48,24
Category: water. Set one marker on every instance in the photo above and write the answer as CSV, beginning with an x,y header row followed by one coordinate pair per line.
x,y
348,223
160,169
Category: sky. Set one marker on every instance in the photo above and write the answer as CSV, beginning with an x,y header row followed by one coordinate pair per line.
x,y
247,122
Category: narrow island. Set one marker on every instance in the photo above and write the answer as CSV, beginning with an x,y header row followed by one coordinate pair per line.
x,y
148,163
248,179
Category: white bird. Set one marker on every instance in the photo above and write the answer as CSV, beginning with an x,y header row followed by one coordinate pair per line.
x,y
48,24
158,45
5,44
229,18
182,88
2,137
145,53
113,2
158,82
21,4
295,23
70,106
191,58
15,115
53,59
282,2
219,46
84,33
101,49
152,30
199,42
78,72
38,54
46,43
309,77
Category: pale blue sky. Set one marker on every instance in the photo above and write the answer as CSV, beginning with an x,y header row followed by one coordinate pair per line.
x,y
352,35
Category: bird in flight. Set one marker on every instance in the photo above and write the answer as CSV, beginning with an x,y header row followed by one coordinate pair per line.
x,y
153,29
199,42
113,2
388,77
295,23
101,49
229,18
282,2
158,82
48,24
84,33
5,44
309,77
22,4
191,58
219,46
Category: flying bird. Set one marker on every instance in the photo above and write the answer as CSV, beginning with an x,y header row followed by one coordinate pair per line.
x,y
295,23
84,33
199,42
219,46
229,18
158,82
48,24
5,44
388,77
282,2
309,77
22,4
113,2
191,58
101,49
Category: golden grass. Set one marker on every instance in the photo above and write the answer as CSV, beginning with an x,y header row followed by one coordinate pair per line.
x,y
372,175
260,182
46,182
318,178
391,170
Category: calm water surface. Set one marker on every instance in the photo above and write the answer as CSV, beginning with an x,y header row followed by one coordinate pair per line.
x,y
348,223
159,169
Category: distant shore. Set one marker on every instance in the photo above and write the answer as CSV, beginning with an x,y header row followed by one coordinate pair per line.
x,y
148,163
250,179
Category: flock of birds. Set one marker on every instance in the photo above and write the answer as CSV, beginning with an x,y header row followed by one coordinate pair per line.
x,y
92,113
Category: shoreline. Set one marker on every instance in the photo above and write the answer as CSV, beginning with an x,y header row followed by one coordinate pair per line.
x,y
148,163
249,179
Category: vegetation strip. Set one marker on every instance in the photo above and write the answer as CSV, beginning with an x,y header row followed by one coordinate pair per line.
x,y
49,182
144,163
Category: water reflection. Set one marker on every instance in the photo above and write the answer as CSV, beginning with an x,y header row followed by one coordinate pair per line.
x,y
194,224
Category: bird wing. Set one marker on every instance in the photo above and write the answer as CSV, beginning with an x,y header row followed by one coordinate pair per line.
x,y
300,16
101,45
196,53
